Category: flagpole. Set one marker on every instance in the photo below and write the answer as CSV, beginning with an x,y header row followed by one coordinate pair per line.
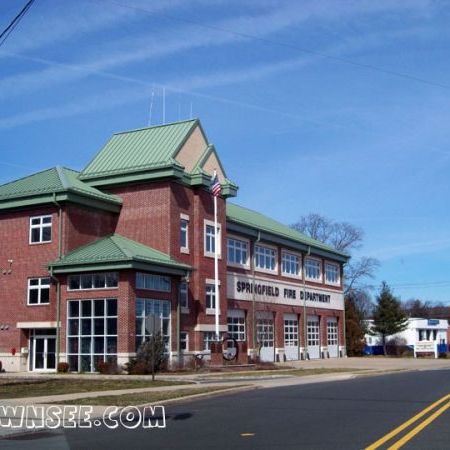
x,y
216,265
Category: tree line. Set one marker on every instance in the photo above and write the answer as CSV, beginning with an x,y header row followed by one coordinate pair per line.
x,y
388,313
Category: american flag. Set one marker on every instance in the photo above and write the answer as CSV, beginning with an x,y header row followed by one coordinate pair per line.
x,y
215,186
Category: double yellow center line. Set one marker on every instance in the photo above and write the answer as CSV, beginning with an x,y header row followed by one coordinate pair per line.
x,y
417,429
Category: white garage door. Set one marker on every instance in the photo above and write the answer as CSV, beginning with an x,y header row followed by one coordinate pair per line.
x,y
313,336
265,336
291,349
332,336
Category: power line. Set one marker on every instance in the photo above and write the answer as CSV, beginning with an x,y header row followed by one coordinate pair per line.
x,y
10,28
292,47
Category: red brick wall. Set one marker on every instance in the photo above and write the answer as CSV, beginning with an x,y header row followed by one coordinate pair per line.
x,y
145,214
84,225
30,261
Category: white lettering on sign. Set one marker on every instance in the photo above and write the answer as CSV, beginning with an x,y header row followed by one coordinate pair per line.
x,y
241,287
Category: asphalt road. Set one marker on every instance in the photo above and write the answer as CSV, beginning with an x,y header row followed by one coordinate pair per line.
x,y
349,414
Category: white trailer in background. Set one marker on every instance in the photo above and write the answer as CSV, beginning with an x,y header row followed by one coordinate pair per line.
x,y
421,336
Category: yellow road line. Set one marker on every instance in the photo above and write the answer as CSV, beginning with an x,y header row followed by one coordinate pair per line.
x,y
419,428
406,424
247,434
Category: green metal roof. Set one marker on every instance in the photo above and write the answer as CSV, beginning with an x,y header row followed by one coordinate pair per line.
x,y
117,251
40,187
140,150
259,222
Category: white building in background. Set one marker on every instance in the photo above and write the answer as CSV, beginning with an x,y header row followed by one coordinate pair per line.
x,y
421,336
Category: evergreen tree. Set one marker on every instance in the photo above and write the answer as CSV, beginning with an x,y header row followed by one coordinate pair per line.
x,y
388,317
354,327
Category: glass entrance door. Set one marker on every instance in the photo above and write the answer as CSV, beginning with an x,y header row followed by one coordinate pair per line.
x,y
44,355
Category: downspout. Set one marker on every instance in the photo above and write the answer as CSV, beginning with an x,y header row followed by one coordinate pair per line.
x,y
58,284
254,294
305,331
344,344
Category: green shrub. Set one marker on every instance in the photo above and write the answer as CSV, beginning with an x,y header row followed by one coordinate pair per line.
x,y
149,352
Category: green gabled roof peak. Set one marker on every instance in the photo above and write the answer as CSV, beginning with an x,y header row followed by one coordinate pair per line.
x,y
151,127
138,151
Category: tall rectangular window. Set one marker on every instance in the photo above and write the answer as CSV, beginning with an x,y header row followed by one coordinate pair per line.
x,y
152,282
331,273
265,258
208,338
210,297
211,239
313,269
38,291
184,341
184,235
290,264
184,295
152,316
40,229
237,252
91,333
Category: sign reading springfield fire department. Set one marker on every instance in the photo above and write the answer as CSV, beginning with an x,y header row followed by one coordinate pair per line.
x,y
240,287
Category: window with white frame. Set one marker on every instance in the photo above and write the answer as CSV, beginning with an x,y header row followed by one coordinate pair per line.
x,y
184,341
313,332
236,324
184,234
84,281
265,258
237,251
210,294
313,269
91,333
291,332
208,338
331,273
38,291
211,239
184,295
290,264
152,315
152,282
332,332
40,229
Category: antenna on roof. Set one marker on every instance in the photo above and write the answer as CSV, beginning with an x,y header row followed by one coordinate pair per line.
x,y
164,105
151,107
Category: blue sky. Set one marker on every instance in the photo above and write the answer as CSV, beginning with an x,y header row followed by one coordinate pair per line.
x,y
335,107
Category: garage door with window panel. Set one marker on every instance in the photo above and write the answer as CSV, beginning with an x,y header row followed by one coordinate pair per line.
x,y
265,335
313,337
332,337
291,349
236,324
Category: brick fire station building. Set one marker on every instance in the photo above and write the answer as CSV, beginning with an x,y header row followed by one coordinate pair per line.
x,y
86,258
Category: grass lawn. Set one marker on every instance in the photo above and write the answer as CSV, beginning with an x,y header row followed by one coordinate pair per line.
x,y
141,398
36,388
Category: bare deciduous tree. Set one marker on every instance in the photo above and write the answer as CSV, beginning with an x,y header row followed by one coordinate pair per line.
x,y
344,237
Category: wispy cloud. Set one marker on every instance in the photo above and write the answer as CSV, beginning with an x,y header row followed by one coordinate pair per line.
x,y
411,248
147,47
